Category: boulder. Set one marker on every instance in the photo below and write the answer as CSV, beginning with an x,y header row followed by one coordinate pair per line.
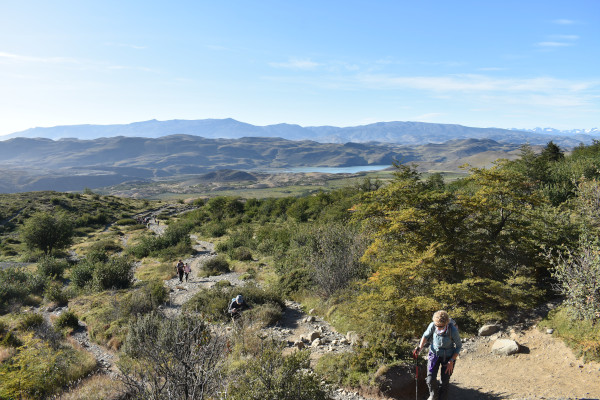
x,y
353,338
505,347
299,344
489,329
316,343
314,335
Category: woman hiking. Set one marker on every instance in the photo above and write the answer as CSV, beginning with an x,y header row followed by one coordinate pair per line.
x,y
443,335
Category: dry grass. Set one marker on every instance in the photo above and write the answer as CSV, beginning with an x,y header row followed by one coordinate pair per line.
x,y
152,269
97,387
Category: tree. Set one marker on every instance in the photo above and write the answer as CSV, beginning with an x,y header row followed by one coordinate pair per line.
x,y
577,275
471,249
47,232
335,250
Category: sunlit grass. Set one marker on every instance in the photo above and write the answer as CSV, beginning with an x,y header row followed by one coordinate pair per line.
x,y
582,336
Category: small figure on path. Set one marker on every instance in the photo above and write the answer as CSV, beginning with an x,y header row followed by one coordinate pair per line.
x,y
179,267
443,335
186,270
236,306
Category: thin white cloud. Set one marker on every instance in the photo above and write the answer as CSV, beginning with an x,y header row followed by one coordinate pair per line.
x,y
475,83
83,64
296,63
554,44
492,69
127,67
564,21
565,37
128,45
428,117
45,60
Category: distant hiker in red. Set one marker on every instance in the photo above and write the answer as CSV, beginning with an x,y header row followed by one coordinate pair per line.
x,y
186,270
443,335
179,267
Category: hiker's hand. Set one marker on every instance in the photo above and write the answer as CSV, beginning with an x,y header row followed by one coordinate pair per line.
x,y
416,352
450,367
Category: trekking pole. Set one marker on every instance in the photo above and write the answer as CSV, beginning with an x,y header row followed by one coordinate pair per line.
x,y
415,355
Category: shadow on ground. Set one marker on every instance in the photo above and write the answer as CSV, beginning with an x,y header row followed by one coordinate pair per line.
x,y
291,318
399,383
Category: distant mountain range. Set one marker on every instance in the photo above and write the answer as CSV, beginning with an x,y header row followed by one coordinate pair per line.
x,y
28,164
571,132
405,133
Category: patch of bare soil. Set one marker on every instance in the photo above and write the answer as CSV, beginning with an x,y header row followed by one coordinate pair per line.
x,y
545,368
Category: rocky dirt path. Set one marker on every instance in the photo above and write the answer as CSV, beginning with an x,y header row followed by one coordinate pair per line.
x,y
545,368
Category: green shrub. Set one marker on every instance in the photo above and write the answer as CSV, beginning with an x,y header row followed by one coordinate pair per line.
x,y
67,319
82,273
51,267
54,293
31,321
270,375
175,241
359,367
126,221
104,246
213,302
249,274
241,254
294,281
117,273
222,284
214,229
38,370
145,299
264,315
7,337
215,266
92,220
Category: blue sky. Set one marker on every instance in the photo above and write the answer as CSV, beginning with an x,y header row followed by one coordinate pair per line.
x,y
507,64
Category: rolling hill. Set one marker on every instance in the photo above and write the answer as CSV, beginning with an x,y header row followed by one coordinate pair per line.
x,y
73,164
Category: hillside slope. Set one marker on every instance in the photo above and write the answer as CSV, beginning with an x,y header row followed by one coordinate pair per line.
x,y
73,164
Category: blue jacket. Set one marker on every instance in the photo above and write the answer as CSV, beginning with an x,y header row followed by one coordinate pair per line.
x,y
445,345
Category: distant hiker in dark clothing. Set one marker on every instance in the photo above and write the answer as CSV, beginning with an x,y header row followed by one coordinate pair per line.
x,y
443,335
186,270
180,267
236,306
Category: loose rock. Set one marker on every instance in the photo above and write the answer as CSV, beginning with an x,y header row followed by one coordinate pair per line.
x,y
505,347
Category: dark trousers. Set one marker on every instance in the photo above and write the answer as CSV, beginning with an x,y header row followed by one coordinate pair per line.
x,y
433,366
180,276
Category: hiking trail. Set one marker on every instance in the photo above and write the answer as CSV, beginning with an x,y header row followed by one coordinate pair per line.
x,y
544,369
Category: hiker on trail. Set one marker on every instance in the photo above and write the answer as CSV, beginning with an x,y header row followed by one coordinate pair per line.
x,y
186,270
179,267
236,306
443,335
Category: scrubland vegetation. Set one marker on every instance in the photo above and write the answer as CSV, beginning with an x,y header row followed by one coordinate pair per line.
x,y
374,258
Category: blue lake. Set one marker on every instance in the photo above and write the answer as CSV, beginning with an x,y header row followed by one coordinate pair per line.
x,y
330,170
